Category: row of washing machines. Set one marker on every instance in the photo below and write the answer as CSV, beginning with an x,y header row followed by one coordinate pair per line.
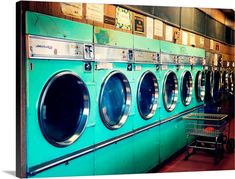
x,y
220,77
100,101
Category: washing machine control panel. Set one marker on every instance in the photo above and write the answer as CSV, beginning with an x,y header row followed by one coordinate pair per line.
x,y
169,59
51,48
141,56
112,54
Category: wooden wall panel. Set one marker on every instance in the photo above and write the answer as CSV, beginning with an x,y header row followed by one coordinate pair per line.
x,y
110,11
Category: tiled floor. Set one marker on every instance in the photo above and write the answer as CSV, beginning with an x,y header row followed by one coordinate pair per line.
x,y
201,161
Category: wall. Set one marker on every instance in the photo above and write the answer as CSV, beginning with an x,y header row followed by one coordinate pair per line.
x,y
54,8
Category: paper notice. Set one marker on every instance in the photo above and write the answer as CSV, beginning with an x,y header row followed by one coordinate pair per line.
x,y
184,38
72,9
201,41
215,60
192,39
95,12
158,28
169,33
123,18
211,44
150,27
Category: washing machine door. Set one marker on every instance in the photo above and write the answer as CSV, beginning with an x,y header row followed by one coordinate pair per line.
x,y
115,100
217,86
63,109
170,91
231,82
186,88
225,81
147,95
209,85
200,83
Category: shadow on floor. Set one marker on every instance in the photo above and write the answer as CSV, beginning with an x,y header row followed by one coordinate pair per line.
x,y
10,172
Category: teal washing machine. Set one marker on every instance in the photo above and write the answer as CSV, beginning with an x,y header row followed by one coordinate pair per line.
x,y
186,95
217,90
192,87
114,101
145,103
225,77
60,93
209,86
231,78
186,81
198,75
169,99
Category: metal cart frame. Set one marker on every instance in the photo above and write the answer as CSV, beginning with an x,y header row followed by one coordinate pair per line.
x,y
207,133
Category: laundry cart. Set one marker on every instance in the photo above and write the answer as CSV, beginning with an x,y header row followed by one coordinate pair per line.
x,y
208,132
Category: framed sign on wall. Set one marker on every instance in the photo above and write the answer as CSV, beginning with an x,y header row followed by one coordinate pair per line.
x,y
123,19
139,24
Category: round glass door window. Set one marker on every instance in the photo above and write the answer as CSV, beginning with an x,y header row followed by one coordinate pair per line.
x,y
209,85
147,95
200,84
225,81
231,82
170,91
63,109
186,88
217,85
115,100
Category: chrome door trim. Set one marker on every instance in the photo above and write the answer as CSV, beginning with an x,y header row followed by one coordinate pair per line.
x,y
126,112
155,95
200,92
84,116
231,82
188,99
175,98
212,81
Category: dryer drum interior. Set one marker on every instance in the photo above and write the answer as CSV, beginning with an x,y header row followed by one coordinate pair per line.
x,y
200,86
147,95
63,109
115,100
186,88
170,91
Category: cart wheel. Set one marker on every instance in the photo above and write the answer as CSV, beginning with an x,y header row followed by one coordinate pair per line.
x,y
230,145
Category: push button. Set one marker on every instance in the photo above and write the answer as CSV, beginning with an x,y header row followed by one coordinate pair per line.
x,y
129,67
87,66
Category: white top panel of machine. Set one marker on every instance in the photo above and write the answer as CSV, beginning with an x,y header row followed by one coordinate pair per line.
x,y
168,59
49,48
111,54
184,60
145,57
